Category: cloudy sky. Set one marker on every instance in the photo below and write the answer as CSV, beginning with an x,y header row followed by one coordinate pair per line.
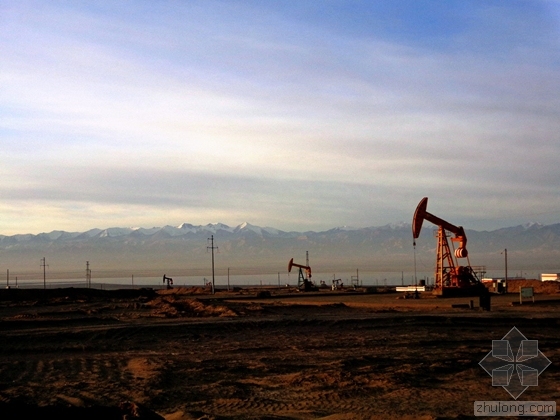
x,y
296,114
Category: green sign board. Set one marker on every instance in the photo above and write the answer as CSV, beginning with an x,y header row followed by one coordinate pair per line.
x,y
526,292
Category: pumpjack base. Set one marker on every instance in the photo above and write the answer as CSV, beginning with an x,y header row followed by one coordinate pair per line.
x,y
309,287
449,292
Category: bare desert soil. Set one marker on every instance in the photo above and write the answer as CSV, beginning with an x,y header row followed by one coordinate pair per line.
x,y
182,354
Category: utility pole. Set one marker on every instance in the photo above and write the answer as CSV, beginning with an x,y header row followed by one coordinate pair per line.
x,y
228,279
212,247
88,275
44,265
8,279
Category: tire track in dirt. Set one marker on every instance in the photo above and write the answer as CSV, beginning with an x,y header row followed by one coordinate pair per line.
x,y
269,369
318,403
79,377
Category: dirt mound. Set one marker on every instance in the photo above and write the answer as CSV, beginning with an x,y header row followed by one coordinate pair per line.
x,y
172,306
186,291
544,287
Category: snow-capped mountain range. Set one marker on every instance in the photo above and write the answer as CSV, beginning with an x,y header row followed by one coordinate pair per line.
x,y
114,232
250,247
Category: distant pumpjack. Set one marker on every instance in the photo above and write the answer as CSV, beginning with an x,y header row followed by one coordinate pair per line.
x,y
303,282
169,281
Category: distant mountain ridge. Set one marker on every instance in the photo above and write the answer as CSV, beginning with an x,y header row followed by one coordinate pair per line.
x,y
185,228
253,248
182,229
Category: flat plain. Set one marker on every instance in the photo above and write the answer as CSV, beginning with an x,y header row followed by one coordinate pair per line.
x,y
186,354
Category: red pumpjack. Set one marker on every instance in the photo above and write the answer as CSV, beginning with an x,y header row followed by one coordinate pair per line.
x,y
304,283
451,279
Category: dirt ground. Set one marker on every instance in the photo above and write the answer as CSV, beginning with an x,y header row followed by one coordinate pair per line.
x,y
184,354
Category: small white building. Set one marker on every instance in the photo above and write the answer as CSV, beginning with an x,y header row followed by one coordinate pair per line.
x,y
492,279
550,277
495,284
411,288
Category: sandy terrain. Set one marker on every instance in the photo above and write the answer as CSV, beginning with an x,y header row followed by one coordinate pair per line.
x,y
183,354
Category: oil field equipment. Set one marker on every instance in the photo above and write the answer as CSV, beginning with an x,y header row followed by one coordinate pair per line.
x,y
169,281
451,279
304,282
